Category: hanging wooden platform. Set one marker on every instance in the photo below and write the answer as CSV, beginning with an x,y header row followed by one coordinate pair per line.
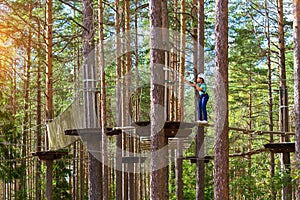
x,y
200,124
50,155
194,159
171,129
92,131
283,147
131,159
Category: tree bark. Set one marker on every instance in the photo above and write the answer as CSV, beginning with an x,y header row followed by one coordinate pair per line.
x,y
49,58
159,159
180,100
296,10
89,77
271,125
136,94
119,185
221,152
180,114
199,68
165,38
103,120
284,123
26,121
128,109
38,119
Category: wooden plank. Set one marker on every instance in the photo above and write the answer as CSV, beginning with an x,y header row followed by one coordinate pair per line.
x,y
79,132
49,155
89,135
194,159
112,132
281,147
86,131
172,129
168,124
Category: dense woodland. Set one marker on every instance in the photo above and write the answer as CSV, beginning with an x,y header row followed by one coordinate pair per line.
x,y
250,63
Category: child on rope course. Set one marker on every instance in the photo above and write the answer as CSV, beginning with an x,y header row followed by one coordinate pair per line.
x,y
200,86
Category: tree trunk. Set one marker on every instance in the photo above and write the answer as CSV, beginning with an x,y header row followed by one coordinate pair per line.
x,y
296,9
165,38
26,122
82,172
221,159
158,146
271,125
128,108
136,94
119,185
172,76
138,189
180,100
38,119
49,77
182,60
89,77
285,159
103,104
199,68
249,145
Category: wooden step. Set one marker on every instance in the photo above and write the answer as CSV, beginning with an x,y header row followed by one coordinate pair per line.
x,y
283,147
87,131
49,155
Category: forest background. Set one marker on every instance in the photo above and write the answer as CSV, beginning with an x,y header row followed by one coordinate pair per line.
x,y
254,90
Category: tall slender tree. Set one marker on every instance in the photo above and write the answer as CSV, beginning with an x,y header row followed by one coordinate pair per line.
x,y
221,151
284,111
103,120
89,77
199,68
26,123
180,113
38,117
158,186
49,58
119,185
271,125
296,11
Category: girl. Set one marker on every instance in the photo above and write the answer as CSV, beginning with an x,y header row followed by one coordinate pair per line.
x,y
201,88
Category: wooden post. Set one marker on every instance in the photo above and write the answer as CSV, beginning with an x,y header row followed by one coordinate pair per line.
x,y
179,161
49,167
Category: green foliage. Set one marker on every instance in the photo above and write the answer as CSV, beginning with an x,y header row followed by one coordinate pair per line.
x,y
10,154
61,175
189,180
